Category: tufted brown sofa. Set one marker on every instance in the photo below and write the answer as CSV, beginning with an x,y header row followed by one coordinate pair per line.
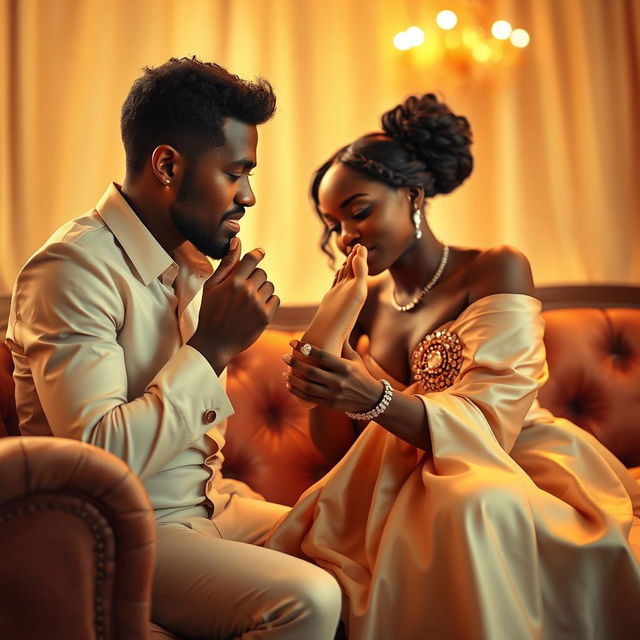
x,y
77,540
96,576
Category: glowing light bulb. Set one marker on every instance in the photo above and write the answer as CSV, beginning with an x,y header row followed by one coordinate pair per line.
x,y
520,38
446,20
401,41
501,29
415,35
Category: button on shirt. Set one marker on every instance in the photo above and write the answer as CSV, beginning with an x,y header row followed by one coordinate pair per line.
x,y
100,316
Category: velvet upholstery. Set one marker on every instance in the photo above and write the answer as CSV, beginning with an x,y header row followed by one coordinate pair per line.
x,y
594,365
268,444
77,540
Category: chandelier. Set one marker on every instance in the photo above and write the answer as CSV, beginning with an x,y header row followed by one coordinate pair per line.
x,y
461,42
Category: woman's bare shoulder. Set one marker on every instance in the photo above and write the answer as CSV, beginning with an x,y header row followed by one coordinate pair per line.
x,y
503,269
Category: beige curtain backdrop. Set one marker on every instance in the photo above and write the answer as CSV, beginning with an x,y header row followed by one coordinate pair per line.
x,y
556,136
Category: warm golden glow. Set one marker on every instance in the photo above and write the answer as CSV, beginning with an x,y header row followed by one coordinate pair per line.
x,y
481,52
471,37
335,70
412,37
520,38
415,36
402,41
446,19
462,46
501,29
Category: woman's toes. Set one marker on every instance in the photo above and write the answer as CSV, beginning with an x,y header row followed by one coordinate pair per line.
x,y
359,264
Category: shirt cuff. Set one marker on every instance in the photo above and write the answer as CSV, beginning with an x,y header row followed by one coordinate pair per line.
x,y
193,388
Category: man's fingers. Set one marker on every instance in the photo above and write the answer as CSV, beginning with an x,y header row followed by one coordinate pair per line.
x,y
257,278
272,306
248,263
227,263
265,291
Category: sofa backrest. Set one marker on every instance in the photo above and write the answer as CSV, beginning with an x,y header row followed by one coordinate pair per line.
x,y
594,374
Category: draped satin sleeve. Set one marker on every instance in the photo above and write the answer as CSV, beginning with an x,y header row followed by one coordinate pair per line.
x,y
503,366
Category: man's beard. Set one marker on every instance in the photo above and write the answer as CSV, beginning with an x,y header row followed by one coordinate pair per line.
x,y
187,199
215,247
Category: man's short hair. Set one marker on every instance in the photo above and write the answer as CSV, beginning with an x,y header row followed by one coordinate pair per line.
x,y
183,103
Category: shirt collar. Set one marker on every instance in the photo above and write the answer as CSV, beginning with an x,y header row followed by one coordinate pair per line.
x,y
187,254
146,254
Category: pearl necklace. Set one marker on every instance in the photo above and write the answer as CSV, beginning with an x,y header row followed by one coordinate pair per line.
x,y
428,287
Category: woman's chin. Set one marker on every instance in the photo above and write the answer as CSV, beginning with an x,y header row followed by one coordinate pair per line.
x,y
374,264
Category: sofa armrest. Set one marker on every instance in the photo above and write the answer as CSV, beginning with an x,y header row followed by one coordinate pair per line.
x,y
77,541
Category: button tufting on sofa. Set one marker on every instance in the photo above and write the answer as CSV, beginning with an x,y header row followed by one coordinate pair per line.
x,y
594,366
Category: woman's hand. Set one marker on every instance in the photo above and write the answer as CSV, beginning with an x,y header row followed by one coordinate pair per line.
x,y
338,383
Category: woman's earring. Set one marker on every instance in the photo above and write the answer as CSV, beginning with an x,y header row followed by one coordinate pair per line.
x,y
417,219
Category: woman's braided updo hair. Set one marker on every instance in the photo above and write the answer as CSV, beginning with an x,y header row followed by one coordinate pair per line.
x,y
423,144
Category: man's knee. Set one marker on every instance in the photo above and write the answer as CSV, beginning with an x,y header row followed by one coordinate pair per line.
x,y
318,595
325,593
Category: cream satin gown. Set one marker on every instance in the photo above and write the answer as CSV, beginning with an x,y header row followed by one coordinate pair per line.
x,y
520,525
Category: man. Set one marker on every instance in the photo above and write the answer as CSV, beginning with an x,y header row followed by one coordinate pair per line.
x,y
121,332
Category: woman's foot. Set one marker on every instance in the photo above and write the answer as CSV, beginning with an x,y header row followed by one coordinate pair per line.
x,y
339,309
337,314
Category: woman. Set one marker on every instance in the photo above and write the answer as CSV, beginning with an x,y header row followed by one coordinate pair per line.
x,y
463,510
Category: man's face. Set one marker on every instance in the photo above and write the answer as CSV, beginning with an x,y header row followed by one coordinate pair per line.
x,y
215,191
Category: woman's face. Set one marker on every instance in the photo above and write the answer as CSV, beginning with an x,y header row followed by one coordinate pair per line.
x,y
360,210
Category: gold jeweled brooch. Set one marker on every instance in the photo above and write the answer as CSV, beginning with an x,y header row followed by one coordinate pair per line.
x,y
436,361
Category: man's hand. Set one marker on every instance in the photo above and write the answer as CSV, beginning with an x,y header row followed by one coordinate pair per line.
x,y
238,303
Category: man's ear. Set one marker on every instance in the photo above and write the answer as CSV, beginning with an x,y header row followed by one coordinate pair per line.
x,y
167,165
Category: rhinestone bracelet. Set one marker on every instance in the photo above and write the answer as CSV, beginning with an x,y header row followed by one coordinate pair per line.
x,y
379,408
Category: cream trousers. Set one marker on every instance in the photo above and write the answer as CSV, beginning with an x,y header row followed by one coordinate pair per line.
x,y
214,581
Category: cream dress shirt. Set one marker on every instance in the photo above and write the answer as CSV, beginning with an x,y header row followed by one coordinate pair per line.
x,y
100,315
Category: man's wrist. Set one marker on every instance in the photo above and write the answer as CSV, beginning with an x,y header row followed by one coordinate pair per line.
x,y
214,356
